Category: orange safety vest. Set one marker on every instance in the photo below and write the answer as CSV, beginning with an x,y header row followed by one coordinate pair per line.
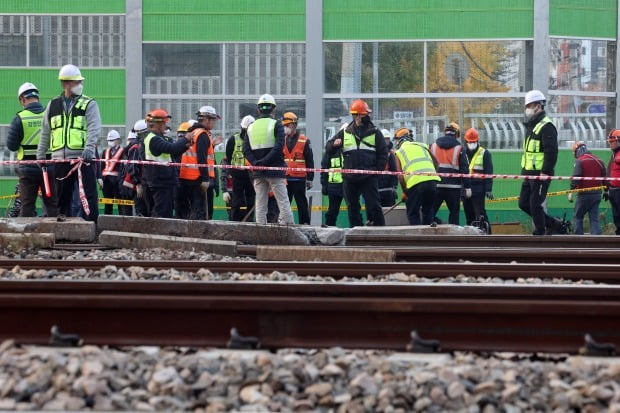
x,y
111,162
295,158
447,158
191,173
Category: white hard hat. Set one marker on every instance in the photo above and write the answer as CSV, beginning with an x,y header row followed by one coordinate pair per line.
x,y
140,126
28,87
247,121
131,136
534,96
207,112
113,135
70,72
386,133
266,99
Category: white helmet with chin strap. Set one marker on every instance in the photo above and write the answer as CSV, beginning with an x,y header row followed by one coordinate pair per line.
x,y
535,96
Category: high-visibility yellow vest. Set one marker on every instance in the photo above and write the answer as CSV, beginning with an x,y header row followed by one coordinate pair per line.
x,y
238,159
476,165
367,143
70,131
416,158
533,157
261,134
31,124
162,157
334,175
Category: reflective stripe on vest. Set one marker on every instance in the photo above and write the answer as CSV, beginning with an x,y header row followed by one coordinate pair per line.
x,y
477,161
416,158
335,166
295,158
238,159
261,134
350,143
31,124
533,157
190,156
70,131
110,163
162,157
447,158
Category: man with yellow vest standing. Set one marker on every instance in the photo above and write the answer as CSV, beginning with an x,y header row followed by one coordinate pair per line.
x,y
540,154
418,190
196,183
263,148
70,129
23,137
297,154
480,162
160,180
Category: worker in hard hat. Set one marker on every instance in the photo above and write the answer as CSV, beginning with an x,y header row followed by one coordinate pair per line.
x,y
586,165
23,138
480,162
70,129
161,180
451,157
388,183
263,148
199,185
363,148
132,172
110,173
242,196
331,183
297,154
540,154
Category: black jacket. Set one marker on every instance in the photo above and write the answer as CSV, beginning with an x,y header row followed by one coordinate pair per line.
x,y
330,188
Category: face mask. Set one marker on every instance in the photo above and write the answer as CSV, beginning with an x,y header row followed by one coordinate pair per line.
x,y
112,144
529,113
472,145
77,89
288,130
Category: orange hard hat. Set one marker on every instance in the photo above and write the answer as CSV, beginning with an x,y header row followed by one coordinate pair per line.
x,y
401,133
579,148
158,115
289,117
359,107
614,135
577,144
471,135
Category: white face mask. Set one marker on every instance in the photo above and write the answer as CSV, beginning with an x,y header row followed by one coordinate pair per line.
x,y
112,144
77,89
472,145
288,130
529,113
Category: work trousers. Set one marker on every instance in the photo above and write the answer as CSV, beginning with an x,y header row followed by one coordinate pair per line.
x,y
531,198
243,195
587,203
29,186
297,189
452,197
191,200
421,201
262,186
333,209
387,197
163,200
368,188
111,190
614,199
65,189
474,207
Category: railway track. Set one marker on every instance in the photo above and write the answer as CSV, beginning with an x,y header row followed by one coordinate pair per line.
x,y
605,273
352,315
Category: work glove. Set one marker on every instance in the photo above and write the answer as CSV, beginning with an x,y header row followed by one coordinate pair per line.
x,y
100,183
324,189
204,186
226,197
606,195
308,184
570,197
467,193
87,155
139,191
403,196
489,195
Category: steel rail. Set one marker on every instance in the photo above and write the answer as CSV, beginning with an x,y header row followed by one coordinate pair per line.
x,y
607,273
351,315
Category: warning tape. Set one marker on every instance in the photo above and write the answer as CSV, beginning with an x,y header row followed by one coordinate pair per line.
x,y
556,193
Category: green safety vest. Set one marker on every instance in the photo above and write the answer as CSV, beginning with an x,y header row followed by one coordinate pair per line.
x,y
367,143
476,165
31,124
415,158
533,157
70,130
237,156
335,165
162,157
261,134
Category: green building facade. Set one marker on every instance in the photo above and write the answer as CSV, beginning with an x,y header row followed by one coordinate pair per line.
x,y
419,64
